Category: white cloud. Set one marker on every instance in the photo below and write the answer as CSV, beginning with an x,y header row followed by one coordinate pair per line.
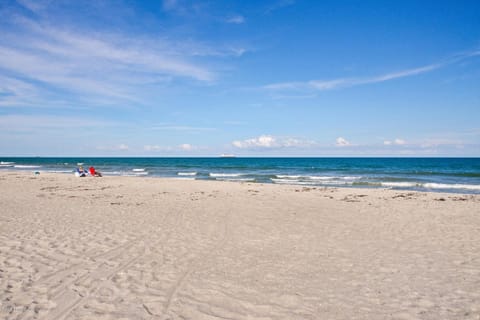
x,y
236,19
120,147
156,148
292,142
397,141
123,147
342,142
263,141
151,147
270,142
186,147
181,147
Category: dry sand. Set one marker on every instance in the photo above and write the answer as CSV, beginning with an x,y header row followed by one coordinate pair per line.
x,y
143,248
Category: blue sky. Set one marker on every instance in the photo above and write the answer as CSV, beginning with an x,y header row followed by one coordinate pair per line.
x,y
262,78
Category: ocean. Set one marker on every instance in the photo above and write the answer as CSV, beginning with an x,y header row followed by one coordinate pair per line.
x,y
421,174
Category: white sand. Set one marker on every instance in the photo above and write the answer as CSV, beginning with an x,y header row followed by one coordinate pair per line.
x,y
142,248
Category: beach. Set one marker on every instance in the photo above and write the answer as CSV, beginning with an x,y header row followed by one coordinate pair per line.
x,y
158,248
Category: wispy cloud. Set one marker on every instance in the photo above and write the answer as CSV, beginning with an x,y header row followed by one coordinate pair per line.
x,y
34,6
186,8
182,128
119,147
398,142
324,85
184,147
271,142
153,148
18,123
169,5
279,4
70,51
94,65
236,19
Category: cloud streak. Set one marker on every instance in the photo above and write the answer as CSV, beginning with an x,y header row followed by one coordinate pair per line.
x,y
236,19
182,128
324,85
45,54
94,66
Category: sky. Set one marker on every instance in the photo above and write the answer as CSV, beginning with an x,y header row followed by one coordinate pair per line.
x,y
250,78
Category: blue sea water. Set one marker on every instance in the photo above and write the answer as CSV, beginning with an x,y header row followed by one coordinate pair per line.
x,y
424,174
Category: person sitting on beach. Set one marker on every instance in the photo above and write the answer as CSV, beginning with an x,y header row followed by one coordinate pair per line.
x,y
94,173
80,172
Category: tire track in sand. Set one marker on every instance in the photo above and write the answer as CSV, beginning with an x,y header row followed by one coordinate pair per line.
x,y
70,299
196,264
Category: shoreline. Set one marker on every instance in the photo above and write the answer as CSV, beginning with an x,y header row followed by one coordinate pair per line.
x,y
452,175
127,247
454,191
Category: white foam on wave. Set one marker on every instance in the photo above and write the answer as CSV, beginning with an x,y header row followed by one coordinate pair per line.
x,y
187,173
348,181
236,179
286,176
451,186
133,174
431,185
286,181
313,182
292,181
138,170
112,172
338,182
300,183
351,178
322,178
225,174
22,166
403,184
319,178
6,163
